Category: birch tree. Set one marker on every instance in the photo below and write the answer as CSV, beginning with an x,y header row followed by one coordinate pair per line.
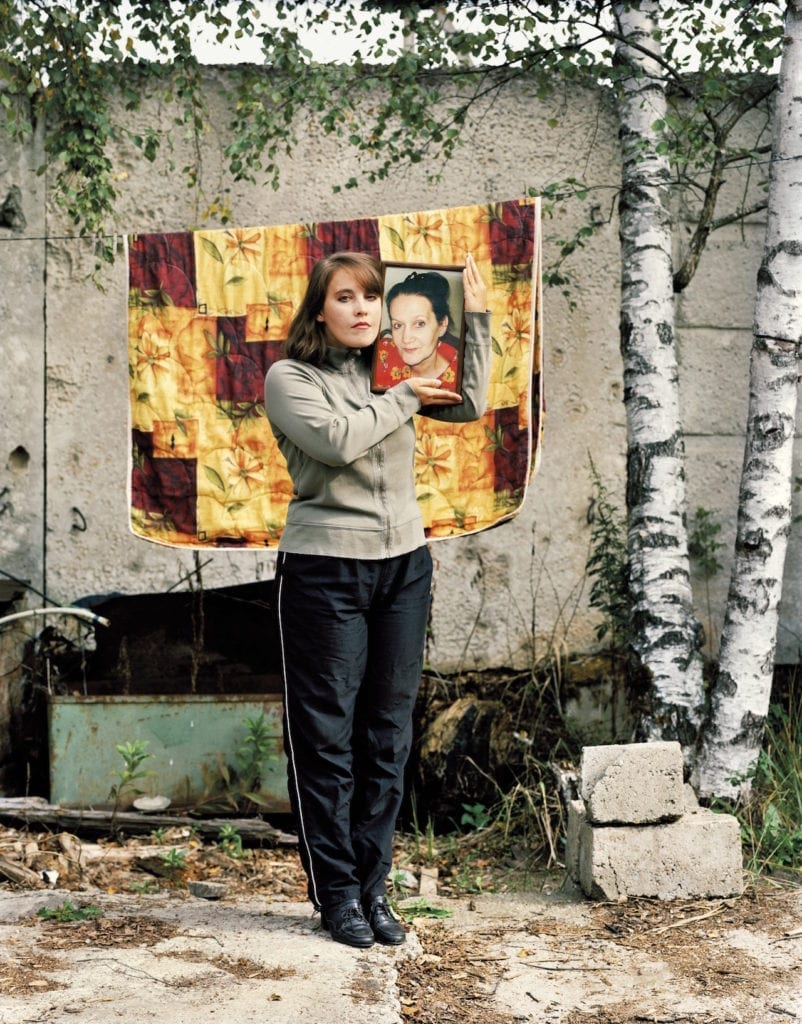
x,y
396,104
666,634
740,696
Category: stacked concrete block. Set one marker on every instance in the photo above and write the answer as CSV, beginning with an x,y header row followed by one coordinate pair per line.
x,y
635,830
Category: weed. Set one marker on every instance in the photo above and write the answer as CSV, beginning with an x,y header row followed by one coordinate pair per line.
x,y
134,755
422,908
771,818
158,834
240,784
470,879
425,846
257,747
143,888
174,860
67,911
608,567
230,842
400,882
475,816
703,548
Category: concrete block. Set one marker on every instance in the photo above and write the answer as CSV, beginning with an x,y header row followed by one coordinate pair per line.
x,y
573,829
698,856
632,783
690,800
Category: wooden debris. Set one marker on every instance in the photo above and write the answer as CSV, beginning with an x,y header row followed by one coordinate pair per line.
x,y
33,811
20,875
428,882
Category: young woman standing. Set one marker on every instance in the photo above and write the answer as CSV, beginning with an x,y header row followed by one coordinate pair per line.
x,y
353,581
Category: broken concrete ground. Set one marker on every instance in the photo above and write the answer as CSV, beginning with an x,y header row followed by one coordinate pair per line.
x,y
547,957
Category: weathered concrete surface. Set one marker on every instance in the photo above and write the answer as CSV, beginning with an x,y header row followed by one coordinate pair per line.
x,y
697,856
573,961
23,430
632,783
544,956
500,599
297,973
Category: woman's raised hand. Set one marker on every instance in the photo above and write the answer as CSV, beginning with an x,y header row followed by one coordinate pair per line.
x,y
430,391
474,287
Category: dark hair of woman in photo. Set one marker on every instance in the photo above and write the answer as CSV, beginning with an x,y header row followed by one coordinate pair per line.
x,y
353,581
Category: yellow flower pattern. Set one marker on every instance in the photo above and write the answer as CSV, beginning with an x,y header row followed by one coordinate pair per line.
x,y
209,312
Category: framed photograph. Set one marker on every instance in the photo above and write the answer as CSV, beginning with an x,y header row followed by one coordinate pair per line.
x,y
423,325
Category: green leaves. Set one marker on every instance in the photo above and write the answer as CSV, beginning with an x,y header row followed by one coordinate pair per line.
x,y
703,542
419,73
608,567
67,912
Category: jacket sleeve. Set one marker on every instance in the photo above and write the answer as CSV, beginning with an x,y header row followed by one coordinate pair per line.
x,y
298,409
475,374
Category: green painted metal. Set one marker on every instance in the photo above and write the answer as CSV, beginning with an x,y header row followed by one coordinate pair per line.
x,y
189,738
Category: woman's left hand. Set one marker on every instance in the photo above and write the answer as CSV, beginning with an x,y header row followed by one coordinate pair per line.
x,y
474,287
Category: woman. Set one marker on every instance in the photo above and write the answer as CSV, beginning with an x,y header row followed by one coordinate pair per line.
x,y
353,581
419,343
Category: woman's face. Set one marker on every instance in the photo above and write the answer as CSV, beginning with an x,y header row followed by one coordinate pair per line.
x,y
415,328
351,314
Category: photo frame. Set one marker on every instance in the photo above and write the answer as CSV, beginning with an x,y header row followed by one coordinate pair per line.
x,y
426,335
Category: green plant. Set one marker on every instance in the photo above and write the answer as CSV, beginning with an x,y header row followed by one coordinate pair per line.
x,y
143,888
470,879
771,818
230,842
400,882
422,908
134,755
257,747
425,846
67,911
158,834
174,860
703,548
608,567
475,816
235,786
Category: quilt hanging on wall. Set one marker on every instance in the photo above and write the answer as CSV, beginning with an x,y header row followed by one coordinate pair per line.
x,y
208,313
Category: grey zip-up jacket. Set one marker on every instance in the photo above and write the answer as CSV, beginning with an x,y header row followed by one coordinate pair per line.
x,y
350,453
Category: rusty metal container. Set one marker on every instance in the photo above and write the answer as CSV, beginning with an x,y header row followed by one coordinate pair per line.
x,y
192,741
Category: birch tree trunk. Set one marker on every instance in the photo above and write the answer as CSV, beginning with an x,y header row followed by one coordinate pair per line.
x,y
740,697
667,635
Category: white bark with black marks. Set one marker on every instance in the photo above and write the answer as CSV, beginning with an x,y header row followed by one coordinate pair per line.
x,y
742,689
667,635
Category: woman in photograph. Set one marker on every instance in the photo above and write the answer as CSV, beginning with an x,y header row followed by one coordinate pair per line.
x,y
419,342
353,581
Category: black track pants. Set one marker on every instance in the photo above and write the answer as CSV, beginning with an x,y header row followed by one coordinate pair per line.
x,y
352,636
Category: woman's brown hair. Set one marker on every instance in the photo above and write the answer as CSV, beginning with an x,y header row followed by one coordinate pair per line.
x,y
306,340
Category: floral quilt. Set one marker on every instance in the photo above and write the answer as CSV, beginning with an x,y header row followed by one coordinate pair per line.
x,y
208,314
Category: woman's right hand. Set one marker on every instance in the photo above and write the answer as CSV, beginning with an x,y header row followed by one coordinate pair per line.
x,y
430,391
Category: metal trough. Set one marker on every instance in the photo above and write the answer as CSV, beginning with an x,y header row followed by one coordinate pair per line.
x,y
189,738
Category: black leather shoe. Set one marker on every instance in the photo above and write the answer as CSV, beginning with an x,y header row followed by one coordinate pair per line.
x,y
346,923
385,927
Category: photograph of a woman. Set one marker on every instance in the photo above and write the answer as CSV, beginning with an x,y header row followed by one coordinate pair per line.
x,y
353,579
422,338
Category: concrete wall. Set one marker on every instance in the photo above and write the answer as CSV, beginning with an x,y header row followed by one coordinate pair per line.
x,y
501,598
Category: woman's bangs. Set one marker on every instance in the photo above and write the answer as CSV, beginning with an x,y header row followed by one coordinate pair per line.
x,y
368,276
